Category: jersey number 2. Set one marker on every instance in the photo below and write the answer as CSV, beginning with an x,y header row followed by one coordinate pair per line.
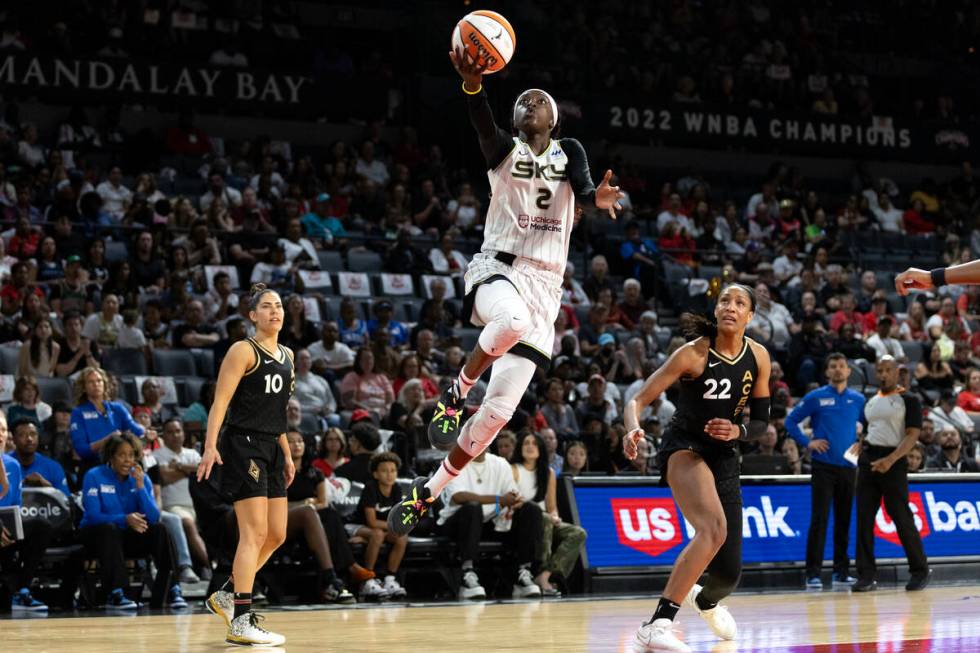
x,y
273,383
544,199
725,386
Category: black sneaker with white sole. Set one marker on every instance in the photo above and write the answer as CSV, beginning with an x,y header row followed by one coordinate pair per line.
x,y
405,516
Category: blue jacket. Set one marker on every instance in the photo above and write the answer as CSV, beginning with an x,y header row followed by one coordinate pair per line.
x,y
50,471
645,247
107,500
15,478
833,416
88,425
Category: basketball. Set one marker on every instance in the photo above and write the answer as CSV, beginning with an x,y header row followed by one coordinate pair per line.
x,y
487,36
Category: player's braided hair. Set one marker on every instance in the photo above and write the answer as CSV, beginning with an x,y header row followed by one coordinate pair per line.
x,y
693,325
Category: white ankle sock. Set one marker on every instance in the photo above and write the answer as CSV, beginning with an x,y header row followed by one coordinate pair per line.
x,y
464,384
441,478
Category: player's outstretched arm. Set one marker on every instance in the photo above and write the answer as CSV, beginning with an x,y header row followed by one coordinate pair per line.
x,y
917,279
495,143
680,362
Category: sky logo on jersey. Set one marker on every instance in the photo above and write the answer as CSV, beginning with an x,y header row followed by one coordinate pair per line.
x,y
885,527
534,170
650,526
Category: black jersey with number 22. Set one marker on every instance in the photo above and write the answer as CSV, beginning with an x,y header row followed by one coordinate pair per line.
x,y
722,390
259,403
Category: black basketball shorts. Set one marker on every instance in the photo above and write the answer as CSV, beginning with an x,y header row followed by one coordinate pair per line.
x,y
721,459
254,466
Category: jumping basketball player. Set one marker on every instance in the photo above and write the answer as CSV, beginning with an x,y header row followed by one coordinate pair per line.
x,y
720,372
254,384
513,286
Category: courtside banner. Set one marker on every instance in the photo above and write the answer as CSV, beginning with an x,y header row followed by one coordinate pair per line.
x,y
641,525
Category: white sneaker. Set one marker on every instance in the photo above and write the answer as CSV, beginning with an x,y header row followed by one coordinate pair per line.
x,y
718,618
222,604
658,636
187,575
246,631
393,589
470,587
525,586
372,590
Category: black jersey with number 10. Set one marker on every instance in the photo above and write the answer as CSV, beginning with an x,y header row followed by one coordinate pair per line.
x,y
722,390
259,402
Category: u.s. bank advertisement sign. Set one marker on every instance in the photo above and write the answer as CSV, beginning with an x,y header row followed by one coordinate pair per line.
x,y
642,526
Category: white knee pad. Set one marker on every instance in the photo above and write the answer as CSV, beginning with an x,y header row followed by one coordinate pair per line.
x,y
509,378
483,427
509,321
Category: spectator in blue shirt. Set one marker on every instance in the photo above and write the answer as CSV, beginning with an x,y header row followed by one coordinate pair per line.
x,y
37,469
30,550
640,255
397,331
834,411
122,520
96,419
319,224
353,330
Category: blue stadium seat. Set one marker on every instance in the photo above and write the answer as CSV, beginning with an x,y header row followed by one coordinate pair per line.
x,y
125,361
364,261
116,251
9,359
55,389
330,260
173,362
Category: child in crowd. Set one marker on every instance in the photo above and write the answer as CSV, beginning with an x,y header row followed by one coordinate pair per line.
x,y
379,496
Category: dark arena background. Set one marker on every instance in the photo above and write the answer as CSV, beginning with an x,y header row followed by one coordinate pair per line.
x,y
157,157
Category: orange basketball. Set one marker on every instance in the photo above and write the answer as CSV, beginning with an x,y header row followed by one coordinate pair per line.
x,y
488,37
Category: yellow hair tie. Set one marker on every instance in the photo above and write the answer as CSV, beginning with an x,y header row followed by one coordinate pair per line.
x,y
478,89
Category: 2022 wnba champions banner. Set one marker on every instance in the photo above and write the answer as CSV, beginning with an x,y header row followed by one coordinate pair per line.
x,y
640,525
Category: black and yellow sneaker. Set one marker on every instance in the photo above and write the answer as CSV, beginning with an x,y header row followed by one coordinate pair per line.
x,y
406,515
444,427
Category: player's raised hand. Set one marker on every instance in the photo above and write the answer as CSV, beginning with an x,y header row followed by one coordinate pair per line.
x,y
630,447
469,68
607,197
722,429
210,457
913,279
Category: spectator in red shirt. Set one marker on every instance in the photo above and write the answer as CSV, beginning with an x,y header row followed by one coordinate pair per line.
x,y
879,308
676,242
969,397
915,223
187,139
25,241
19,285
847,315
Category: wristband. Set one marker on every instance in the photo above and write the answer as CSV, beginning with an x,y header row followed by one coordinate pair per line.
x,y
478,89
938,277
496,505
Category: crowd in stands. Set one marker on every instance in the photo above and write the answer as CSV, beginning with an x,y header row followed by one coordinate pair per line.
x,y
108,266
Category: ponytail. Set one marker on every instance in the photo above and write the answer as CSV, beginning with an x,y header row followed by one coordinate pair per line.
x,y
693,326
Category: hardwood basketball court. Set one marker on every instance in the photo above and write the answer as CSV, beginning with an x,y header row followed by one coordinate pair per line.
x,y
939,620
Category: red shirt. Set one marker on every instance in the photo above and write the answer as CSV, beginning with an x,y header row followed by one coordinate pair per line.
x,y
968,401
915,224
429,389
22,247
840,318
681,248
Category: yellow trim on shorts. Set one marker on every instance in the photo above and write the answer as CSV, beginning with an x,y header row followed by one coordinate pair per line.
x,y
540,351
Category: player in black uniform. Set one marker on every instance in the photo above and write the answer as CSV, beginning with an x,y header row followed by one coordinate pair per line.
x,y
721,372
254,385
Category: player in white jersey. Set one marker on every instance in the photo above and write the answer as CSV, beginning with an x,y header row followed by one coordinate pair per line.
x,y
513,286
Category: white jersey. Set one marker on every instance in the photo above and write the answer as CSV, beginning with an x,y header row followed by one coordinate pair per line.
x,y
532,207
